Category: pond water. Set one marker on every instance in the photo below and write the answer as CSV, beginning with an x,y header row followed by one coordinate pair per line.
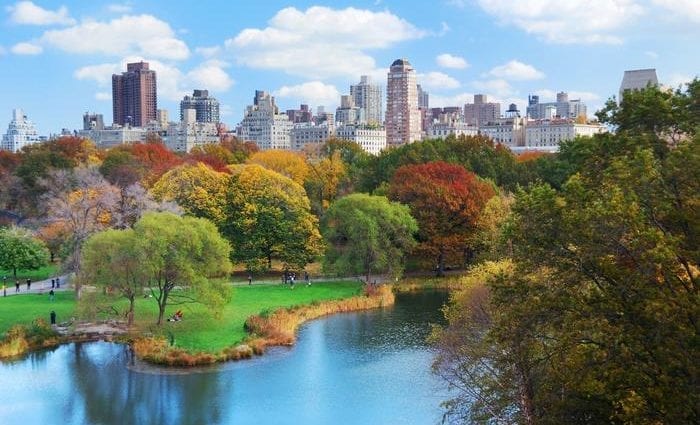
x,y
371,367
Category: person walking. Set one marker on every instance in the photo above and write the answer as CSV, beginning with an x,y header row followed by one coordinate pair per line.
x,y
16,285
4,290
307,279
58,282
51,295
250,278
29,285
53,283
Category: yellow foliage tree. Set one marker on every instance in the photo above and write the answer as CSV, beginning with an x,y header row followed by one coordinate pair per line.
x,y
196,188
287,163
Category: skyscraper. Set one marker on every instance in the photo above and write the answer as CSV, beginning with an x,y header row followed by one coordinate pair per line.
x,y
637,79
368,97
134,97
403,119
207,108
264,125
20,132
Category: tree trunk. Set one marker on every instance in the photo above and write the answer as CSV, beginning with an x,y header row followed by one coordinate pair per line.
x,y
14,271
130,314
441,263
161,307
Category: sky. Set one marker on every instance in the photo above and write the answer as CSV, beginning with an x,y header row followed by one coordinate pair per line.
x,y
57,58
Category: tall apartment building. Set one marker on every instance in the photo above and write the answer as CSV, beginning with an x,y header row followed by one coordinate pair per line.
x,y
368,97
206,107
264,125
134,96
303,114
20,133
481,111
637,79
563,107
348,112
403,118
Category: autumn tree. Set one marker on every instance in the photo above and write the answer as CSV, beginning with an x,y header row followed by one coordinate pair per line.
x,y
268,216
287,163
181,257
197,188
446,200
367,235
155,158
324,181
20,250
122,168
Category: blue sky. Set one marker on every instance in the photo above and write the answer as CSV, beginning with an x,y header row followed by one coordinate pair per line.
x,y
56,58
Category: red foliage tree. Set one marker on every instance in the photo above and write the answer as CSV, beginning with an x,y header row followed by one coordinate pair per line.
x,y
156,158
446,200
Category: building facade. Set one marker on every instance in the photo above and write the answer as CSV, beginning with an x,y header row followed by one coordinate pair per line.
x,y
134,95
563,108
207,107
371,139
110,137
304,134
637,79
481,111
190,133
264,125
20,133
403,118
348,113
93,121
547,135
368,97
506,131
439,130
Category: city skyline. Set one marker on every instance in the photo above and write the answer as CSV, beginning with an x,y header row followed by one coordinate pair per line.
x,y
311,53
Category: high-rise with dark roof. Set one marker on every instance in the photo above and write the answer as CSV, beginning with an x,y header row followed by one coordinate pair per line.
x,y
134,96
206,107
403,119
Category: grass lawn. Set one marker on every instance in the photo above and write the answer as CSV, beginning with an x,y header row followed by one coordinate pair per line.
x,y
23,309
199,330
46,272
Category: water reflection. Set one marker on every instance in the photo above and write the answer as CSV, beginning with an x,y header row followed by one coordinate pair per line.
x,y
370,367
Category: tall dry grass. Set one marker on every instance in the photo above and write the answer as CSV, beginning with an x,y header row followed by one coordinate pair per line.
x,y
20,339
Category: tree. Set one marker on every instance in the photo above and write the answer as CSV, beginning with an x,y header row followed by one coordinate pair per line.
x,y
197,188
19,250
447,201
121,167
324,181
268,216
367,235
180,257
287,163
113,260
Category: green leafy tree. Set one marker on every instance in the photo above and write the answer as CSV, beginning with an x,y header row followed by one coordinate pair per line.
x,y
20,250
180,258
367,235
112,260
268,216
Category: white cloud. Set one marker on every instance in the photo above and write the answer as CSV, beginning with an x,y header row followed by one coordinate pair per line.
x,y
517,71
437,80
103,95
27,13
438,101
312,93
570,21
321,42
651,54
127,35
173,84
676,80
119,7
211,75
208,51
447,60
25,48
495,88
689,9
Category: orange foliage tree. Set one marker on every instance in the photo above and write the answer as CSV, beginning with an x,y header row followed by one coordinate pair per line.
x,y
446,200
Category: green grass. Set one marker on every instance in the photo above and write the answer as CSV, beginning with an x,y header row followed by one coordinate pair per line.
x,y
46,272
199,330
22,309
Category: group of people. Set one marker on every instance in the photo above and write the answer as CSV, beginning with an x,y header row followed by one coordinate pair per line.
x,y
290,277
55,284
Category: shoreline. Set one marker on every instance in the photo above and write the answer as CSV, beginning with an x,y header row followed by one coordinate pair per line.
x,y
264,330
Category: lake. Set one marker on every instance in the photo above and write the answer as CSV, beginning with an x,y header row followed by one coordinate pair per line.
x,y
370,367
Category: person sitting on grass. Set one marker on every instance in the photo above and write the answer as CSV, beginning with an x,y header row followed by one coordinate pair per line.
x,y
176,317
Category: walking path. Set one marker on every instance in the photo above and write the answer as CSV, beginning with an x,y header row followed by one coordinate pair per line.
x,y
38,287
